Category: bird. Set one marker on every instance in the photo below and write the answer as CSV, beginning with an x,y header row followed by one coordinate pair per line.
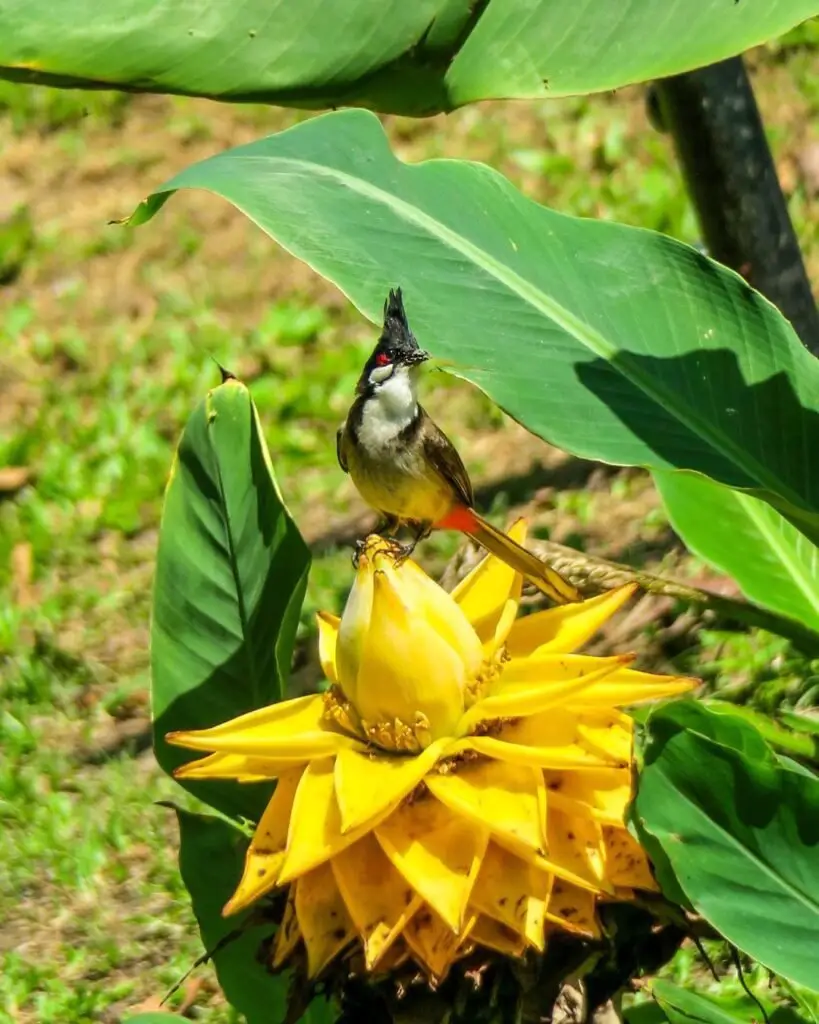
x,y
406,468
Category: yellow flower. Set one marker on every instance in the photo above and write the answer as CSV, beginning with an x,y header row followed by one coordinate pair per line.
x,y
463,781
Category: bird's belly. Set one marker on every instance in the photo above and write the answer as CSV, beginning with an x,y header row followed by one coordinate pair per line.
x,y
400,486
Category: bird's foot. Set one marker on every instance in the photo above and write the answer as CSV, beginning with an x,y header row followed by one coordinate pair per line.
x,y
404,551
358,547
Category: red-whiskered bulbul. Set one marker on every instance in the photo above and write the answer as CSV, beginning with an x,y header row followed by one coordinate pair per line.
x,y
407,469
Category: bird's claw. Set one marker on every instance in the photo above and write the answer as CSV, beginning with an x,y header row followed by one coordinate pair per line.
x,y
358,547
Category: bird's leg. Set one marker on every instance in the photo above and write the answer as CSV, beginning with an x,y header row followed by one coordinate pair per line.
x,y
389,526
420,532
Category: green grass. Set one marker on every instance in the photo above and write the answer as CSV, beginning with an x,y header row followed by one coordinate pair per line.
x,y
109,339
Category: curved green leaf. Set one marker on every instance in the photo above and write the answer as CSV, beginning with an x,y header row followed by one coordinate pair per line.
x,y
774,564
614,343
230,577
415,58
682,1006
742,836
211,857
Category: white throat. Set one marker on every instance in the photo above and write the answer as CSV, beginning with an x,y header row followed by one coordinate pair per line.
x,y
389,410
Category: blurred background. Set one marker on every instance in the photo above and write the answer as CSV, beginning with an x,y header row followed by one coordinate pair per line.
x,y
108,337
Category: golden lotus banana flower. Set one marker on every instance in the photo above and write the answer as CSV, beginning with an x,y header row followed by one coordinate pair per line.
x,y
462,782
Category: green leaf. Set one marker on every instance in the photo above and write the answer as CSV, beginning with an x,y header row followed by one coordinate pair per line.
x,y
644,1013
414,58
774,564
801,722
211,858
715,720
682,1006
611,342
742,837
230,577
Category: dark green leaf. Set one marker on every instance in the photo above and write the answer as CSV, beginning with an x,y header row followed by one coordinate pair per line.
x,y
774,564
395,56
230,578
211,858
614,343
742,837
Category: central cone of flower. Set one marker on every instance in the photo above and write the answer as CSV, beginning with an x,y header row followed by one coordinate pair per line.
x,y
462,782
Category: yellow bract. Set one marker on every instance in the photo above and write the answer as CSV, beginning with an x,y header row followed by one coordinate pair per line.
x,y
462,782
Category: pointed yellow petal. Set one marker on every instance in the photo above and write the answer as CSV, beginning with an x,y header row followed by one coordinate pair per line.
x,y
378,899
506,799
438,853
576,847
514,893
550,867
265,854
628,686
324,922
547,670
491,593
603,793
368,784
566,756
288,935
573,909
528,698
327,635
607,734
626,861
498,936
550,739
315,823
236,766
433,943
291,728
566,627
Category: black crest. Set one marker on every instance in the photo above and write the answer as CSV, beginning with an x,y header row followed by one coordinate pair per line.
x,y
397,343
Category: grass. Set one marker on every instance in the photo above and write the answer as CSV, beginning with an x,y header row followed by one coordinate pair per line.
x,y
110,339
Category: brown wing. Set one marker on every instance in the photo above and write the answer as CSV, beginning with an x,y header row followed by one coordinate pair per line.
x,y
441,453
340,449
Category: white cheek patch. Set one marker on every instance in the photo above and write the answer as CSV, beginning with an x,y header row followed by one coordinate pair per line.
x,y
381,373
390,410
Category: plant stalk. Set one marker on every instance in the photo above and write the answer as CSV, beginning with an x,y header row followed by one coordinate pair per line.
x,y
591,575
728,168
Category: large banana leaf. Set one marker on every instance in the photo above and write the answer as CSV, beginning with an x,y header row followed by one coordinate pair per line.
x,y
776,566
414,58
614,343
741,834
230,577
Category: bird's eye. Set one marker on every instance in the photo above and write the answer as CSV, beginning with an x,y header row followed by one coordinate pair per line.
x,y
382,359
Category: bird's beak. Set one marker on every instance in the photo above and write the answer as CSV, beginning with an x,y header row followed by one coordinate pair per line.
x,y
418,356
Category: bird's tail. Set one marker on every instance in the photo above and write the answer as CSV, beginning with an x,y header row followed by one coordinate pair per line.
x,y
546,579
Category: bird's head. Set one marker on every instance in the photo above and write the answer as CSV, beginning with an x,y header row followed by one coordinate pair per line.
x,y
396,353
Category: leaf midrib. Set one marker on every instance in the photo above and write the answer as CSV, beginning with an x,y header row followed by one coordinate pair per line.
x,y
234,565
563,317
